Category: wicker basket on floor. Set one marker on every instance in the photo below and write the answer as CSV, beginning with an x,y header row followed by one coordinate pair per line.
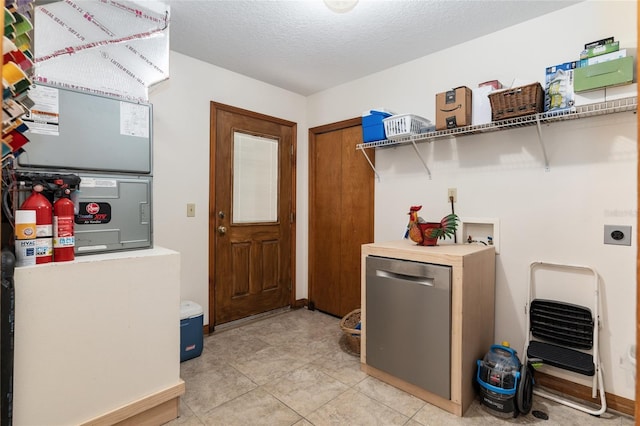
x,y
348,324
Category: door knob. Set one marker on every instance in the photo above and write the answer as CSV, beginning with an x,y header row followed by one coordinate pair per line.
x,y
222,230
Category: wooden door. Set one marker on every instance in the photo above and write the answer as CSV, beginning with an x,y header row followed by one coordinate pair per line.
x,y
637,404
251,213
341,185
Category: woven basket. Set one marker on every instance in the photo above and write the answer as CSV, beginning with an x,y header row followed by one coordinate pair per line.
x,y
348,324
516,102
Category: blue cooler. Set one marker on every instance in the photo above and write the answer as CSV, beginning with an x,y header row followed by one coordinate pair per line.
x,y
372,125
190,330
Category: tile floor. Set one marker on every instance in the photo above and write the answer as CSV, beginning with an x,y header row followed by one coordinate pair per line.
x,y
293,368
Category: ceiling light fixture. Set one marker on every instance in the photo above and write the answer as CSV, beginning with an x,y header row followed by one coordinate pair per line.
x,y
341,6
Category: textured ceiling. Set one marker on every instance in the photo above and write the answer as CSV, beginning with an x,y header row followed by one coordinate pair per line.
x,y
301,46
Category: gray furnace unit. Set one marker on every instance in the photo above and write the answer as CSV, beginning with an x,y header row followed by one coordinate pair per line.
x,y
107,142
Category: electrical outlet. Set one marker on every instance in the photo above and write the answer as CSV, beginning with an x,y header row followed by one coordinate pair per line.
x,y
452,192
191,210
617,234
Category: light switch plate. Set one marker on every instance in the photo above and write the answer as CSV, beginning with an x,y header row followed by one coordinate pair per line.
x,y
191,210
617,234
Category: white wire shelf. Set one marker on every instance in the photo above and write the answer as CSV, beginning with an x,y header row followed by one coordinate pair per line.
x,y
583,111
600,108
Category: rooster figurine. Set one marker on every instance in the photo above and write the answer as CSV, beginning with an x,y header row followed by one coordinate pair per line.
x,y
413,230
422,233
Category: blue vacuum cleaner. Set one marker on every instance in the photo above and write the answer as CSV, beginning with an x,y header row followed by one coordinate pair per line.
x,y
506,386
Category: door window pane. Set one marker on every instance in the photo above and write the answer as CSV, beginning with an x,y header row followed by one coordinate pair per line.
x,y
255,178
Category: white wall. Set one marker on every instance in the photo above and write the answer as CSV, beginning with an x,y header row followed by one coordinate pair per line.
x,y
181,112
95,335
500,175
555,216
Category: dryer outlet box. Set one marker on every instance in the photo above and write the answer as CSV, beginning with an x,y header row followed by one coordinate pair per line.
x,y
617,234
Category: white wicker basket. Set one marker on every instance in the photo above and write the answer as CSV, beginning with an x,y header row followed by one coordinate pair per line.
x,y
403,125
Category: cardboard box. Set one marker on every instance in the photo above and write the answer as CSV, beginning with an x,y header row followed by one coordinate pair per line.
x,y
603,58
590,97
609,94
493,83
610,73
620,92
453,108
558,88
600,50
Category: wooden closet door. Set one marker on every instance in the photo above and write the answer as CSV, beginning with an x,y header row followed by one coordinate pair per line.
x,y
340,215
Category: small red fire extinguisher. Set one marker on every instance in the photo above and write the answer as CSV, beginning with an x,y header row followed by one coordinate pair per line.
x,y
44,229
63,228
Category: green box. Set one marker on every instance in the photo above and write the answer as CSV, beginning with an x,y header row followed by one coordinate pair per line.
x,y
600,50
610,73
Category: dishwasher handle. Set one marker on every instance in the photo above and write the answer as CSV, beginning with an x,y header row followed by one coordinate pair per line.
x,y
428,281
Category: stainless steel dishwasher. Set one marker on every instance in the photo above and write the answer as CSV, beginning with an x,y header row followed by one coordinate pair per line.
x,y
408,323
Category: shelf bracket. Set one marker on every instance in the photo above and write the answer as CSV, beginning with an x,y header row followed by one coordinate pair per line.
x,y
541,141
364,152
421,159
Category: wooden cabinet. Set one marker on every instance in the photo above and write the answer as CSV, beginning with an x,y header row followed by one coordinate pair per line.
x,y
341,186
472,314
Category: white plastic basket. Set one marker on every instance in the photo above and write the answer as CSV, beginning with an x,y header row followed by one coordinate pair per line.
x,y
403,125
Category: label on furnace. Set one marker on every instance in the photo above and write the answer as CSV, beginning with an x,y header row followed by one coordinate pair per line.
x,y
92,213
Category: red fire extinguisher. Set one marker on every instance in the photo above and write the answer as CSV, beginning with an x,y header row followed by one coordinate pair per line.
x,y
44,228
63,228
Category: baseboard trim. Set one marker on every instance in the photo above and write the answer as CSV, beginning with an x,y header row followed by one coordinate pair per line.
x,y
582,392
152,410
300,303
207,329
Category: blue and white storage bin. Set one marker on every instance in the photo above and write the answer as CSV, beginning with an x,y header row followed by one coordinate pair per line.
x,y
372,127
191,317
